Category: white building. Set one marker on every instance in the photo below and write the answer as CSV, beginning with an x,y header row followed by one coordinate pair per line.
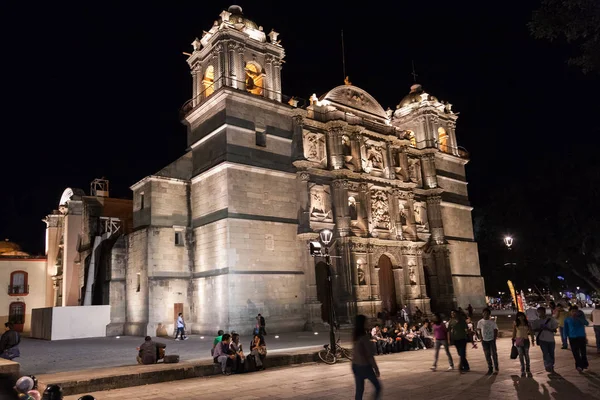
x,y
22,285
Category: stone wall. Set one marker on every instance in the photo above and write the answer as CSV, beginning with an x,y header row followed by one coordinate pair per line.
x,y
211,247
163,294
141,216
168,203
445,164
209,194
464,258
262,192
452,185
457,222
117,288
469,290
210,303
137,300
164,257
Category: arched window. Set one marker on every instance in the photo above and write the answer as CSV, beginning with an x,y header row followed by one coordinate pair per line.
x,y
208,83
254,78
18,283
16,315
443,139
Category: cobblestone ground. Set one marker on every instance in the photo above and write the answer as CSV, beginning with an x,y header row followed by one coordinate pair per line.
x,y
43,357
404,375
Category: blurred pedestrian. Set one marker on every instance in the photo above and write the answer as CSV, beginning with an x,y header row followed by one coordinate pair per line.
x,y
364,365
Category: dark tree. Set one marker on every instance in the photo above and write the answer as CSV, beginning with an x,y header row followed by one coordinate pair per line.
x,y
575,21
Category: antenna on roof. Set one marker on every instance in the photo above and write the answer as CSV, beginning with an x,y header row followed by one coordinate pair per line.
x,y
343,57
414,74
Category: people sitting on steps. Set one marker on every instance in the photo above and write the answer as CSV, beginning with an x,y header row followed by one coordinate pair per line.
x,y
9,342
150,352
258,350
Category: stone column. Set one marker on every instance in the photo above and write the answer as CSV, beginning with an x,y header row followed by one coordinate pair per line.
x,y
434,214
297,138
334,146
365,217
389,162
277,80
340,203
399,284
452,137
231,67
302,179
268,84
219,68
445,294
403,161
395,214
241,65
428,168
411,230
355,151
196,83
375,283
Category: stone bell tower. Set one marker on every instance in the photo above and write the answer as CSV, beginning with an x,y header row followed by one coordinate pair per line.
x,y
235,52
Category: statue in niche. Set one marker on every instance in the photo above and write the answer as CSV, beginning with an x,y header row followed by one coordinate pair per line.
x,y
314,147
413,170
352,208
347,153
411,275
379,210
320,207
421,216
360,272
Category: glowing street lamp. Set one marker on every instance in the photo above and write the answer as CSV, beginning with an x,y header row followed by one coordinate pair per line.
x,y
508,241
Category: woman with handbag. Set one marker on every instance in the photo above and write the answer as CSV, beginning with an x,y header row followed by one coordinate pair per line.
x,y
521,333
258,349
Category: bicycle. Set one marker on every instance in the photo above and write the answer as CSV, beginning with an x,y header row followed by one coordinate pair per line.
x,y
328,357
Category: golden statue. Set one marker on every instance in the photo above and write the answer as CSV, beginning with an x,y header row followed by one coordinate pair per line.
x,y
347,81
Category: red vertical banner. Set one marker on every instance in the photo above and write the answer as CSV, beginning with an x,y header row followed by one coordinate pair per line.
x,y
520,303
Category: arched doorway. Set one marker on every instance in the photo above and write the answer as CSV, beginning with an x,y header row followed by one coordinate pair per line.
x,y
387,286
321,278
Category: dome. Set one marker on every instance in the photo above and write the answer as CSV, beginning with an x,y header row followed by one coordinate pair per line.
x,y
415,96
6,246
354,97
237,17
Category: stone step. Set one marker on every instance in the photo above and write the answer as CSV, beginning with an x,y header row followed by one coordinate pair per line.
x,y
99,379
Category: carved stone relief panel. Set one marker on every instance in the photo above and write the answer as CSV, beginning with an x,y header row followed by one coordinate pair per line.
x,y
361,272
320,204
372,157
314,147
380,214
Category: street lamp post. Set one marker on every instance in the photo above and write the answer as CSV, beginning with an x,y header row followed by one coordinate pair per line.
x,y
321,249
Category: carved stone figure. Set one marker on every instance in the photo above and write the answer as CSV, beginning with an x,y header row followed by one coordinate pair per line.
x,y
361,277
314,147
320,204
421,216
411,275
379,210
352,208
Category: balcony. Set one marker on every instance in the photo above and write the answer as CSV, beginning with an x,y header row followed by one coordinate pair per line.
x,y
18,290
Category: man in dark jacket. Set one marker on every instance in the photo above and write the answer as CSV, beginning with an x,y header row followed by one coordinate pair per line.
x,y
150,352
262,324
9,342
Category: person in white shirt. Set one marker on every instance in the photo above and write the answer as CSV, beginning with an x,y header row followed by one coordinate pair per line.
x,y
596,321
180,328
488,333
546,326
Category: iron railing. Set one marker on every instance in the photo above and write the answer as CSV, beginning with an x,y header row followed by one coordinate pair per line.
x,y
18,289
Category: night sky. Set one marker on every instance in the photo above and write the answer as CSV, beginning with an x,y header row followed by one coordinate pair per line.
x,y
93,89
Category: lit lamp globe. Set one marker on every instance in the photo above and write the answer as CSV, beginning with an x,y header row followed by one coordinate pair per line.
x,y
326,235
508,241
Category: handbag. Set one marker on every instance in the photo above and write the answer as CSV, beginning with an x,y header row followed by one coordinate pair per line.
x,y
514,352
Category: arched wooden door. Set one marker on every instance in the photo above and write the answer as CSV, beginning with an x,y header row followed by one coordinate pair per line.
x,y
321,278
387,286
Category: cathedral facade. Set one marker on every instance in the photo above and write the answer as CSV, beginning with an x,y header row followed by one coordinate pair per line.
x,y
221,234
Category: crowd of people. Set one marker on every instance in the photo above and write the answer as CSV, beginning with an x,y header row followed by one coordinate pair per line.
x,y
227,351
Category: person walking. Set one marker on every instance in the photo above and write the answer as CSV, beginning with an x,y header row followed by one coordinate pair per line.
x,y
560,314
596,321
575,325
546,326
364,365
441,338
521,333
180,328
487,329
458,335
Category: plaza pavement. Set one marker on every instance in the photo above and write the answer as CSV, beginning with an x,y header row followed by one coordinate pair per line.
x,y
403,375
45,357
